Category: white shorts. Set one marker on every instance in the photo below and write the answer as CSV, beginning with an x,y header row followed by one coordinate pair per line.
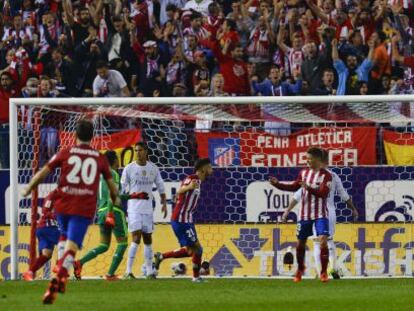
x,y
332,223
140,222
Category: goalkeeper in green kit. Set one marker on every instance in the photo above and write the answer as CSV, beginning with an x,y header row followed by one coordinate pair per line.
x,y
111,219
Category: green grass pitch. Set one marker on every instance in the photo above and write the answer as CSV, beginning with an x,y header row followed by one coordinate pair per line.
x,y
216,294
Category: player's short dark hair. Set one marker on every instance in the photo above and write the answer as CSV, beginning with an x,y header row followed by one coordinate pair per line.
x,y
111,156
101,64
142,145
83,8
84,130
117,18
328,70
381,35
231,24
201,162
315,152
212,6
325,156
195,15
171,7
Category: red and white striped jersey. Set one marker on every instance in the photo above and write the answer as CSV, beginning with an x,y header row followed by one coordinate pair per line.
x,y
187,202
314,198
295,59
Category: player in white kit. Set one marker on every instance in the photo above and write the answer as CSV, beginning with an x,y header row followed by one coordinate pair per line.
x,y
140,176
336,188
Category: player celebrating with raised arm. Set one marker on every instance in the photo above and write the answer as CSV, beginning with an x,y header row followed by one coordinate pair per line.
x,y
336,188
140,176
75,201
316,182
182,219
47,234
111,219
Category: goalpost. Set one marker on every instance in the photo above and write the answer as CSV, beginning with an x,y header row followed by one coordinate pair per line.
x,y
370,140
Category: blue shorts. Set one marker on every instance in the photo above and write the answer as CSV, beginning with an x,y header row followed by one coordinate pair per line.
x,y
47,237
185,233
304,229
73,227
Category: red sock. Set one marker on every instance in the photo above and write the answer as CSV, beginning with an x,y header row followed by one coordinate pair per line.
x,y
196,265
178,253
300,257
324,259
65,263
39,262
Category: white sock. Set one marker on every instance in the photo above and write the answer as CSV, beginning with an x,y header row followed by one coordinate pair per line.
x,y
332,253
68,262
148,258
61,249
131,256
317,255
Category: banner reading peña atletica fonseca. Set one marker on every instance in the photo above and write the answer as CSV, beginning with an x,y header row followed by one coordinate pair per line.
x,y
347,146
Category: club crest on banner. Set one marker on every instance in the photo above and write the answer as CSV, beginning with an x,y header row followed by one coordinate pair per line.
x,y
224,151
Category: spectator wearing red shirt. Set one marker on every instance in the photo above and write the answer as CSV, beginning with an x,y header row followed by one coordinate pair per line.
x,y
233,68
228,31
140,18
214,19
7,90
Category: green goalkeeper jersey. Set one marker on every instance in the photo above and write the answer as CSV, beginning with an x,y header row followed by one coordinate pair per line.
x,y
104,195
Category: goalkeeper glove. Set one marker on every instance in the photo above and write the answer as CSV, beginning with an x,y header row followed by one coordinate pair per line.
x,y
139,196
110,220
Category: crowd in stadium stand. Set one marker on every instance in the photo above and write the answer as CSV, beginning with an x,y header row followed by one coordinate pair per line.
x,y
84,48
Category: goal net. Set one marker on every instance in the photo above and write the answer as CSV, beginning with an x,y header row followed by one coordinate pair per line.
x,y
371,147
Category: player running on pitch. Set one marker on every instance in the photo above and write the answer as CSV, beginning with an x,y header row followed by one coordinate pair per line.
x,y
75,203
140,176
47,234
336,188
182,219
111,219
316,183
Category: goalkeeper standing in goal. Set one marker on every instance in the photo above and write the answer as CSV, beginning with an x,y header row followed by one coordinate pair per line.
x,y
111,219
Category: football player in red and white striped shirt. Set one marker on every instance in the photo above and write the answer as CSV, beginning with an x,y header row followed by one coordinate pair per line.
x,y
182,219
48,236
316,183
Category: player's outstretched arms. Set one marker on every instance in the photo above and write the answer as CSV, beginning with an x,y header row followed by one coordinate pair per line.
x,y
284,186
164,204
291,206
191,186
113,189
351,205
37,179
273,181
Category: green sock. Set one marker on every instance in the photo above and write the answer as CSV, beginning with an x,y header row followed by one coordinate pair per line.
x,y
102,248
116,260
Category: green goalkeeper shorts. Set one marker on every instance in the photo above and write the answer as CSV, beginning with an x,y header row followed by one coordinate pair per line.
x,y
120,230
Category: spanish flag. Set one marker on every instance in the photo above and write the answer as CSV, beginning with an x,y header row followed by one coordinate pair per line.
x,y
399,148
122,143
